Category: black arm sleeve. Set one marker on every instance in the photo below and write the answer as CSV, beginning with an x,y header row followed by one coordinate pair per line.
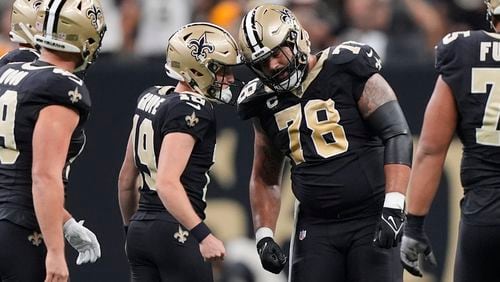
x,y
390,124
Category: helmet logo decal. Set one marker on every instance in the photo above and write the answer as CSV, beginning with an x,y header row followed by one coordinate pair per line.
x,y
95,15
200,47
286,16
36,4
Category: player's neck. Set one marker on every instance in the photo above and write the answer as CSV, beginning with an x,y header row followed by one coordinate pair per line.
x,y
182,86
25,45
63,60
311,61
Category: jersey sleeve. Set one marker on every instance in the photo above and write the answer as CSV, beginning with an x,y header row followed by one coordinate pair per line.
x,y
65,89
358,60
18,55
447,62
250,98
189,117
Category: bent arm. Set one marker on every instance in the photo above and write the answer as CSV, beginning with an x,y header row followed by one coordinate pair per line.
x,y
379,107
51,139
175,151
265,181
128,193
439,125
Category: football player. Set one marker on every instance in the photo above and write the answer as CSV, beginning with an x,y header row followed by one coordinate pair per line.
x,y
339,123
44,108
465,101
22,24
171,149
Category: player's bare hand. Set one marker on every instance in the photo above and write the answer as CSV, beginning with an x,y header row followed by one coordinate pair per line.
x,y
56,268
212,249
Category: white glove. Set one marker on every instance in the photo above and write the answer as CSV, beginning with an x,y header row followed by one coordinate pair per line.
x,y
82,240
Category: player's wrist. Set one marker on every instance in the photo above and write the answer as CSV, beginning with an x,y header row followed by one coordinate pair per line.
x,y
263,232
415,225
200,231
394,200
67,225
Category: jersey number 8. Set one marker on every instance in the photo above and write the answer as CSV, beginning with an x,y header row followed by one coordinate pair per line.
x,y
291,118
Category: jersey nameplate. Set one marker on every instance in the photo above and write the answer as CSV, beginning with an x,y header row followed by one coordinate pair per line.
x,y
490,48
12,77
150,103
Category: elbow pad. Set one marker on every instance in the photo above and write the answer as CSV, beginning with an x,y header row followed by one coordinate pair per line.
x,y
389,122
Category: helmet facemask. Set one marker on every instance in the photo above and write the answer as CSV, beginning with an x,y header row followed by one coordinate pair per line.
x,y
217,90
266,31
89,56
295,70
492,12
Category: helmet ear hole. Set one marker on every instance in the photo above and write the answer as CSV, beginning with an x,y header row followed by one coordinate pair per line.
x,y
211,91
213,67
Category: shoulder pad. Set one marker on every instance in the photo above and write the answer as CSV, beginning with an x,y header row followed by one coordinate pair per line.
x,y
352,50
357,58
254,89
19,55
447,48
164,90
187,112
60,87
253,92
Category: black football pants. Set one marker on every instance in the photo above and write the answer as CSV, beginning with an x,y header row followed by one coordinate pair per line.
x,y
22,254
478,253
163,251
338,252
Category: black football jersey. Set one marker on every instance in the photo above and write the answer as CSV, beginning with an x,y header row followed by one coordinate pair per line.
x,y
337,162
160,111
19,55
25,89
469,62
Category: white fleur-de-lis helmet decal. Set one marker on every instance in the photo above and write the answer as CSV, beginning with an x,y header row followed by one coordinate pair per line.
x,y
200,47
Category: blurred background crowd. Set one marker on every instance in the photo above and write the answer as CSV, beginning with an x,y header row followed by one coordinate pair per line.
x,y
397,29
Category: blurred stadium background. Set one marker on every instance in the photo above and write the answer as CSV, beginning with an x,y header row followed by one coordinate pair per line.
x,y
403,32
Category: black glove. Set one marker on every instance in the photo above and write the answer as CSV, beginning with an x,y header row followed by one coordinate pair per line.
x,y
415,244
390,228
271,256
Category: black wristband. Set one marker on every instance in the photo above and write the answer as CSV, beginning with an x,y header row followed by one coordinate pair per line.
x,y
200,231
415,225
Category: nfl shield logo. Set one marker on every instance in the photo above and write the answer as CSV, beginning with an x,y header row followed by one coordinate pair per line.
x,y
302,235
